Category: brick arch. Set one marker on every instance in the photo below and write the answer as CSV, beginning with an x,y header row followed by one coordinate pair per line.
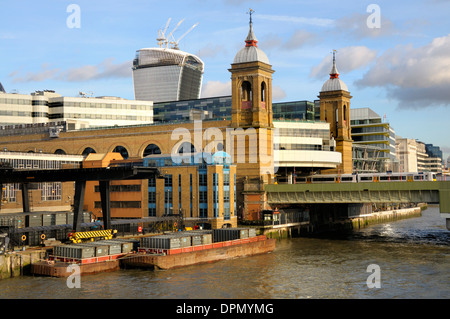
x,y
147,143
120,143
91,145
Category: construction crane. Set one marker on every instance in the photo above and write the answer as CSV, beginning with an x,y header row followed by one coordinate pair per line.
x,y
164,41
175,43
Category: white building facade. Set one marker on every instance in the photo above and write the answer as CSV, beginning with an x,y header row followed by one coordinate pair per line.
x,y
48,106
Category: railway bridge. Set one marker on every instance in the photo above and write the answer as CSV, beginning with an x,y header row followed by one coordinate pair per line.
x,y
363,192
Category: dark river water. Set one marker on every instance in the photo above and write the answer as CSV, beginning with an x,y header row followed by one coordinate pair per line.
x,y
412,257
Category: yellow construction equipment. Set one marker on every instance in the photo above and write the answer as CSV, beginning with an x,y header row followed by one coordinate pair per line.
x,y
78,237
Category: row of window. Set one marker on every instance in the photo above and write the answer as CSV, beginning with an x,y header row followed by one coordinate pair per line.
x,y
299,147
102,106
299,132
121,188
121,204
101,117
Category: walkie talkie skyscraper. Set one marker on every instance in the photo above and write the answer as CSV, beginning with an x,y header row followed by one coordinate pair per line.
x,y
164,74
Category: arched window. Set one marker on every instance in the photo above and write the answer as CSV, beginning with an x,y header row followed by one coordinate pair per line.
x,y
151,149
263,92
186,148
246,91
60,151
88,150
345,112
122,150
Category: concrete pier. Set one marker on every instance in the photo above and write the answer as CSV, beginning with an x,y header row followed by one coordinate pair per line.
x,y
18,263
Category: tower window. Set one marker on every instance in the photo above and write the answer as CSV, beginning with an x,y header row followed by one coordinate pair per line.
x,y
246,95
263,92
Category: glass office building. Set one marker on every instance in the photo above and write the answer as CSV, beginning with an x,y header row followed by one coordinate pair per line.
x,y
219,108
162,74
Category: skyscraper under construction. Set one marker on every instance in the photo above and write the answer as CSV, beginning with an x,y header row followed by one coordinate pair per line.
x,y
164,74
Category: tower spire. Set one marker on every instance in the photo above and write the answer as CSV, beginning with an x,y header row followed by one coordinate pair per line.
x,y
334,74
251,39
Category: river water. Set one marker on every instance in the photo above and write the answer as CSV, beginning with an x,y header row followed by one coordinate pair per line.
x,y
412,255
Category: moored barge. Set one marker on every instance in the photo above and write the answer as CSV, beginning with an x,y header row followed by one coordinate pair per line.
x,y
172,250
166,251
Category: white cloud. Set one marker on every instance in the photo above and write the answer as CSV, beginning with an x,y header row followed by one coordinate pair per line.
x,y
106,69
356,25
347,60
417,77
216,88
210,51
278,93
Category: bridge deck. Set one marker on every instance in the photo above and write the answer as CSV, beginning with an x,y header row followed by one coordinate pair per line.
x,y
381,192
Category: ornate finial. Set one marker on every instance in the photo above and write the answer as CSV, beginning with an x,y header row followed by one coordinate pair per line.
x,y
334,72
251,39
250,12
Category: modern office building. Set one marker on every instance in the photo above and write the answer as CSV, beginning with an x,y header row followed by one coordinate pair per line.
x,y
434,151
79,112
373,142
50,196
219,108
163,74
303,148
413,157
406,150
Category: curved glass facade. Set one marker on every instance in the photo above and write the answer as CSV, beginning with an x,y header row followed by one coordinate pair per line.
x,y
161,75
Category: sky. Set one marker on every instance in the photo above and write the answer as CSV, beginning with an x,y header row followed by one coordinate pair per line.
x,y
394,56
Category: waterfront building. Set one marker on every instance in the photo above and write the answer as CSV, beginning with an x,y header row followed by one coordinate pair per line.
x,y
303,148
164,74
78,112
373,142
128,198
49,196
414,158
248,118
334,100
406,150
199,186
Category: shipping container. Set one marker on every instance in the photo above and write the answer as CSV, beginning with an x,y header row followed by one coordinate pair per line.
x,y
74,251
226,234
61,218
200,237
34,220
126,246
114,247
161,242
100,250
48,219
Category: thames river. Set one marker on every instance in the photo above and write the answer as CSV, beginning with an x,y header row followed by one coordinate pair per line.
x,y
412,257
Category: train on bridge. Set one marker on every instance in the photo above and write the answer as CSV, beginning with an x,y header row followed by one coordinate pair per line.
x,y
368,177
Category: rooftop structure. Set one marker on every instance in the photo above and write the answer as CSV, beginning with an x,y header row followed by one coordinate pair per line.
x,y
251,52
334,83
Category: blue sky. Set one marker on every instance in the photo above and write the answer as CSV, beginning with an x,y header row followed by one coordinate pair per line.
x,y
401,70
